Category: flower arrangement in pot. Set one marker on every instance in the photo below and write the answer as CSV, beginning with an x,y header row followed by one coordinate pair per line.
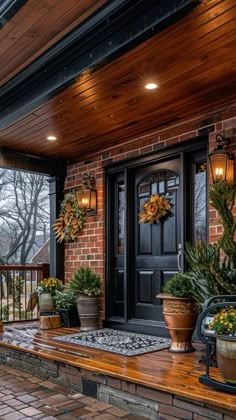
x,y
46,291
180,312
87,286
65,302
223,324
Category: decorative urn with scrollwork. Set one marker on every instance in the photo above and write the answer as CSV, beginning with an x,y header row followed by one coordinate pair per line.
x,y
180,315
180,312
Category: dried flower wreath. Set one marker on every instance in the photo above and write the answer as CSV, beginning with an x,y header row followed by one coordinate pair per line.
x,y
71,219
155,209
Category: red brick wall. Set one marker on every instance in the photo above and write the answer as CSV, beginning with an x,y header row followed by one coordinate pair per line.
x,y
88,250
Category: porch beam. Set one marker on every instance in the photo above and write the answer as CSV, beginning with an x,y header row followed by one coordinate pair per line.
x,y
112,30
56,188
26,162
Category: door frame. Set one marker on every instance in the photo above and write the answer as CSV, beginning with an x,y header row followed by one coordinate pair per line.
x,y
127,166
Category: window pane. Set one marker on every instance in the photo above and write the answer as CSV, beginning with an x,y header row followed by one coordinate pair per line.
x,y
121,219
200,202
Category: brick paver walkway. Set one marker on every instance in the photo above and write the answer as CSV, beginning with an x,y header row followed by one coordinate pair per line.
x,y
24,396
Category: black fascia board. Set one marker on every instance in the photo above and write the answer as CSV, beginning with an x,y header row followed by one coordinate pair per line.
x,y
108,33
8,9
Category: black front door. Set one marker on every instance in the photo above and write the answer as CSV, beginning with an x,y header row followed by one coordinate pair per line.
x,y
156,245
140,257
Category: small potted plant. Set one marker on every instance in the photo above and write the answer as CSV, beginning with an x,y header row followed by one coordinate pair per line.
x,y
87,286
180,312
65,302
224,325
46,290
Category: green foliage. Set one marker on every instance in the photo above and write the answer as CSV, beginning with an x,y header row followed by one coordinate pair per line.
x,y
86,282
212,267
179,285
4,312
221,198
209,276
65,299
22,315
18,287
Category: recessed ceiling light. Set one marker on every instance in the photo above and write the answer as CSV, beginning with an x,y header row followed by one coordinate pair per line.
x,y
51,138
151,86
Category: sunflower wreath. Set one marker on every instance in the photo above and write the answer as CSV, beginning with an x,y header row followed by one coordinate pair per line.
x,y
157,207
70,221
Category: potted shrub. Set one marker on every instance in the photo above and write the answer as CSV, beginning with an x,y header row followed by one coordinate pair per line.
x,y
65,302
224,325
87,286
180,312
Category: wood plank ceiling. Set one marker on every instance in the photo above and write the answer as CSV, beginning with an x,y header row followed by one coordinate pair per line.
x,y
36,27
192,61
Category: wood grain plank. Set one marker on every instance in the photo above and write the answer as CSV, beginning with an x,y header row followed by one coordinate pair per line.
x,y
45,23
170,372
193,62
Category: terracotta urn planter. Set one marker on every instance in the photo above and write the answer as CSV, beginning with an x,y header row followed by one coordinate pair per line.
x,y
180,315
226,358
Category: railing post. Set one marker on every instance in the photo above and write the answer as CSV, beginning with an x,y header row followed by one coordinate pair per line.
x,y
1,326
44,273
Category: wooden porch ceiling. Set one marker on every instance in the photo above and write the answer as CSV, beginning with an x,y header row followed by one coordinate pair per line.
x,y
192,61
36,27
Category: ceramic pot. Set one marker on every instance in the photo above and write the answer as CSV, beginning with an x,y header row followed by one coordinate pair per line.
x,y
88,312
45,302
180,315
226,358
69,317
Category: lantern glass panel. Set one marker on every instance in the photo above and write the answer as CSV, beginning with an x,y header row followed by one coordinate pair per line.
x,y
83,198
230,171
218,167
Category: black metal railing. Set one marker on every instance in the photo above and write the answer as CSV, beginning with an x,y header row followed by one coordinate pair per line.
x,y
17,283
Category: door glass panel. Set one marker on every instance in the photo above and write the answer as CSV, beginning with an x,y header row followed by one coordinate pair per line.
x,y
166,183
121,219
161,187
145,233
170,227
200,202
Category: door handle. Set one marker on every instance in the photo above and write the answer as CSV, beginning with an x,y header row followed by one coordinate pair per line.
x,y
179,256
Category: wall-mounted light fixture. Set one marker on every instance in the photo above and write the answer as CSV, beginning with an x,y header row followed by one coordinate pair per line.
x,y
221,162
86,195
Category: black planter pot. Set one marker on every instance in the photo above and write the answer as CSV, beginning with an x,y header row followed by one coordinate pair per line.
x,y
69,317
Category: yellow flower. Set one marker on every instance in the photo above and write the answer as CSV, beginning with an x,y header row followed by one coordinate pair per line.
x,y
224,322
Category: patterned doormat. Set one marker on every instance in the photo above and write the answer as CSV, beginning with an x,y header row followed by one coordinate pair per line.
x,y
114,341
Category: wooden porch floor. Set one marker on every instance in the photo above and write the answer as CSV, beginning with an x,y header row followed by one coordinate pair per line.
x,y
170,372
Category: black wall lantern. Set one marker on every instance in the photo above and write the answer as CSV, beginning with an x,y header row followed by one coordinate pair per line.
x,y
221,162
86,195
